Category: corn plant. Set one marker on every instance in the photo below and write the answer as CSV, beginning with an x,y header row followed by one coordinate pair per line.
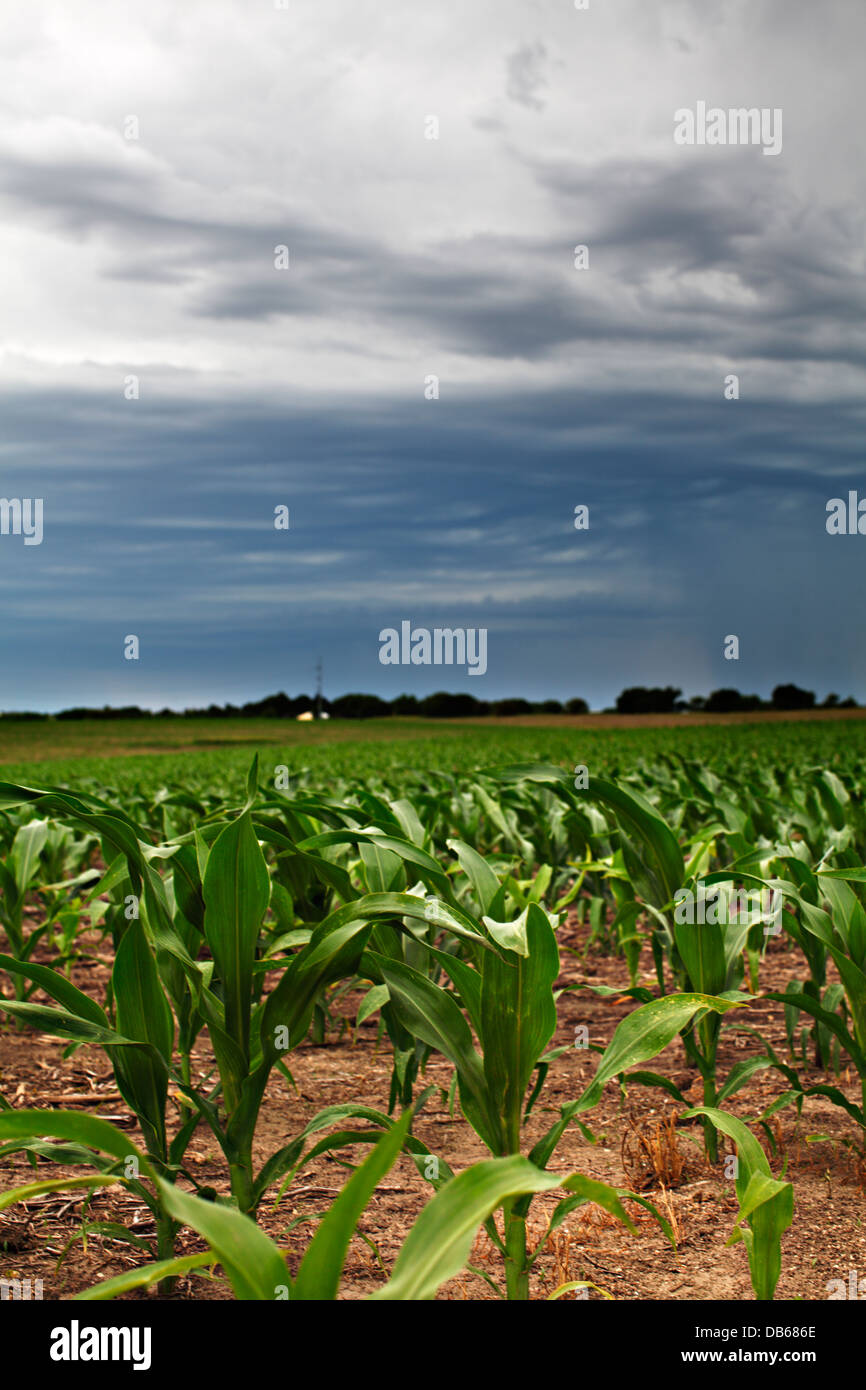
x,y
710,959
139,1046
766,1203
386,858
650,866
842,932
17,875
509,1002
437,1247
706,957
249,1037
70,1138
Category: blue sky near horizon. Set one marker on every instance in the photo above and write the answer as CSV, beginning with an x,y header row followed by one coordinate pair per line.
x,y
409,257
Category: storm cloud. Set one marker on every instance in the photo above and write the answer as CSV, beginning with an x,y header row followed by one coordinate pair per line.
x,y
431,386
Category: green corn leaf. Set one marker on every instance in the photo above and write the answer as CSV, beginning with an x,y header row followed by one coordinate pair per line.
x,y
653,1078
26,848
485,885
653,857
466,981
403,849
58,987
371,1003
518,1018
188,885
252,1262
236,890
252,782
572,1284
432,1014
144,1277
35,1189
116,874
832,1021
440,1242
645,1033
383,869
765,1203
65,1025
143,1015
702,948
69,1124
333,952
322,1265
740,1073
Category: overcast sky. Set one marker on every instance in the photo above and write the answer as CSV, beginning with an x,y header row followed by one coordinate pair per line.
x,y
410,257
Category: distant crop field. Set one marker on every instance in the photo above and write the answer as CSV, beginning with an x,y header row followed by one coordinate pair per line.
x,y
161,745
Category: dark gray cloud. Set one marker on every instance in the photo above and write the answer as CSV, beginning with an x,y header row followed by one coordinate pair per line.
x,y
526,75
469,521
414,256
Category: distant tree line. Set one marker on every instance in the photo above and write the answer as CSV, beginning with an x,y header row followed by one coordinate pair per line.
x,y
638,699
441,705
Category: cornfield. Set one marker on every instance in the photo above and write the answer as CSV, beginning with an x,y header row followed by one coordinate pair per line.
x,y
186,938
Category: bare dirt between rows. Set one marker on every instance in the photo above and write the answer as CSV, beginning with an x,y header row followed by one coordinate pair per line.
x,y
826,1240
